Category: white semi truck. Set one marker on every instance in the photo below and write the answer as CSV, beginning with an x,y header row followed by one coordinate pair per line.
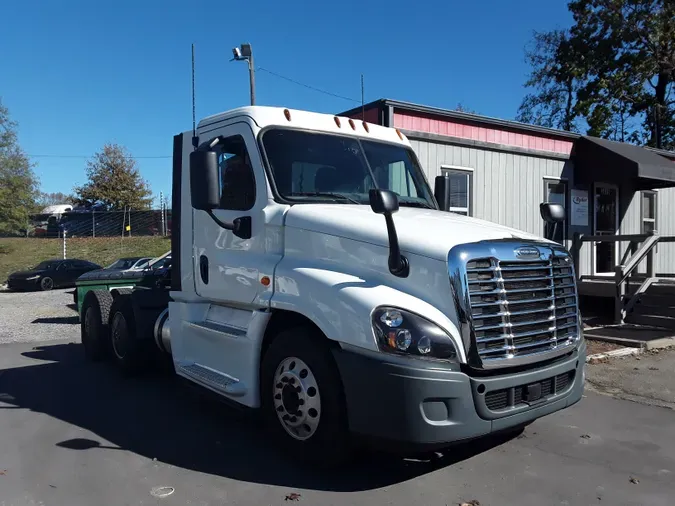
x,y
316,277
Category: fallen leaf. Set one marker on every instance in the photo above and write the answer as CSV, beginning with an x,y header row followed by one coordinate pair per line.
x,y
653,368
293,496
634,480
585,436
636,368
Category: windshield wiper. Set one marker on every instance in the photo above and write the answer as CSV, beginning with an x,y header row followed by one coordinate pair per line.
x,y
414,203
326,194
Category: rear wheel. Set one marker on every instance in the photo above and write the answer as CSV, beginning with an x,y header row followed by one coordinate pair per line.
x,y
129,352
94,324
302,398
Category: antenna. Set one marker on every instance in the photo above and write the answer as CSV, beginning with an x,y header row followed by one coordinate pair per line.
x,y
363,105
195,140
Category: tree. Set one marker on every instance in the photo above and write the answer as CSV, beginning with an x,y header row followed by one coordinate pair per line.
x,y
619,56
18,183
114,181
462,108
50,199
552,104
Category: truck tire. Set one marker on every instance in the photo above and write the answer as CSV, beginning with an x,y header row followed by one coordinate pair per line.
x,y
302,398
129,353
94,332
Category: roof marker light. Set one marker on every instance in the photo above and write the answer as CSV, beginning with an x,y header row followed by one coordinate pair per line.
x,y
365,127
400,135
287,113
351,124
337,121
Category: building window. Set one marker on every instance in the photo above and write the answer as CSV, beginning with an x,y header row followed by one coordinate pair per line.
x,y
648,212
555,192
460,190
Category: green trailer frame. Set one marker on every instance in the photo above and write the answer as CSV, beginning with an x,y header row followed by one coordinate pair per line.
x,y
108,279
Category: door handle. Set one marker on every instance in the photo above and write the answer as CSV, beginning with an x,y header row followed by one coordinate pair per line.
x,y
204,268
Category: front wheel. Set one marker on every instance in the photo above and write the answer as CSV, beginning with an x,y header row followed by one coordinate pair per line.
x,y
46,284
302,398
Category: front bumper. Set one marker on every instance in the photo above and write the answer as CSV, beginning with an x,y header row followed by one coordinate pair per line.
x,y
23,284
422,404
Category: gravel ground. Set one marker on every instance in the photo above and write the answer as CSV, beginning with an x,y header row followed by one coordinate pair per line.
x,y
37,316
648,378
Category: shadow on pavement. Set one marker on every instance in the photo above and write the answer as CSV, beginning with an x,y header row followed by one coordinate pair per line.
x,y
64,320
158,417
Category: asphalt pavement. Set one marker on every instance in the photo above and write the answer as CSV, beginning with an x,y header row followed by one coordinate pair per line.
x,y
74,433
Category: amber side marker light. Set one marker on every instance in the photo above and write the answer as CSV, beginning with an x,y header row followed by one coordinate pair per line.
x,y
287,113
265,281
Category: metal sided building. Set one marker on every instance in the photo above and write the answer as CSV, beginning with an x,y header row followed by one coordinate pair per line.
x,y
501,170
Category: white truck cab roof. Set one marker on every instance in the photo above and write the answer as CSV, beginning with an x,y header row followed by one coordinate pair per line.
x,y
265,116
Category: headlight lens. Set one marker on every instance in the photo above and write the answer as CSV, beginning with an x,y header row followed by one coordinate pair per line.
x,y
404,333
32,278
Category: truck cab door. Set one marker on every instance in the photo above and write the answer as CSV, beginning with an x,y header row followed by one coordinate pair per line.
x,y
227,267
232,274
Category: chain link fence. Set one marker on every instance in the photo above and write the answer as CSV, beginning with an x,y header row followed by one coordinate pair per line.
x,y
100,237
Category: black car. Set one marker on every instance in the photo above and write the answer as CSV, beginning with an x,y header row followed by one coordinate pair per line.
x,y
50,274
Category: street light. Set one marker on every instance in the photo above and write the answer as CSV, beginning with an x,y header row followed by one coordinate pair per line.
x,y
244,52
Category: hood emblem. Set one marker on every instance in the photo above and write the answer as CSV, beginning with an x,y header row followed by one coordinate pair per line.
x,y
527,252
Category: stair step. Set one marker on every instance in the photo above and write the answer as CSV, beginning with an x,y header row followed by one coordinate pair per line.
x,y
654,310
654,321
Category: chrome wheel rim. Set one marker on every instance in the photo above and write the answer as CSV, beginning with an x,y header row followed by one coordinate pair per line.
x,y
297,400
119,327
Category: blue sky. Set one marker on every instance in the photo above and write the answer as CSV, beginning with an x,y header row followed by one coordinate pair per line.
x,y
77,74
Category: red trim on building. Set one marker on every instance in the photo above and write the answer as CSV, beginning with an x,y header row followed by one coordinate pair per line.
x,y
371,115
454,128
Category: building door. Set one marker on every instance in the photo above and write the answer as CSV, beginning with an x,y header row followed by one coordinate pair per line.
x,y
605,222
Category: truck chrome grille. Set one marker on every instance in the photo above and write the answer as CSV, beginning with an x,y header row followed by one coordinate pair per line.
x,y
514,308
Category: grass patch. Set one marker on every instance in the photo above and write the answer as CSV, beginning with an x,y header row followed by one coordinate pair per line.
x,y
25,252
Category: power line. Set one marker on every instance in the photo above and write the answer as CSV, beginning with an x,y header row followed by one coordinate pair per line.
x,y
308,86
90,156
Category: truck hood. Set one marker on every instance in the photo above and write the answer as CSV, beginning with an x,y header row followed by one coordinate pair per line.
x,y
425,232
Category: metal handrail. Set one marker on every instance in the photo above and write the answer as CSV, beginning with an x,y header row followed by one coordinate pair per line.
x,y
631,259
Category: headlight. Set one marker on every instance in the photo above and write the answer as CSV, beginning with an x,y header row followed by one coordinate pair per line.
x,y
32,278
403,333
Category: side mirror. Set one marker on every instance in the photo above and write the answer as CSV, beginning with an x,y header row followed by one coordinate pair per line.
x,y
552,213
204,185
383,201
386,202
442,192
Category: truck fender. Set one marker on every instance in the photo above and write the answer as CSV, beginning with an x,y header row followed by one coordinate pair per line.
x,y
340,304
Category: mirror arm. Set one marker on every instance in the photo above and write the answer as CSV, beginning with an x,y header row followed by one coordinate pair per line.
x,y
398,264
241,227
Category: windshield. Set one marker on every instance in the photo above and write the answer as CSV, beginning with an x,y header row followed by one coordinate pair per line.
x,y
308,165
122,263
